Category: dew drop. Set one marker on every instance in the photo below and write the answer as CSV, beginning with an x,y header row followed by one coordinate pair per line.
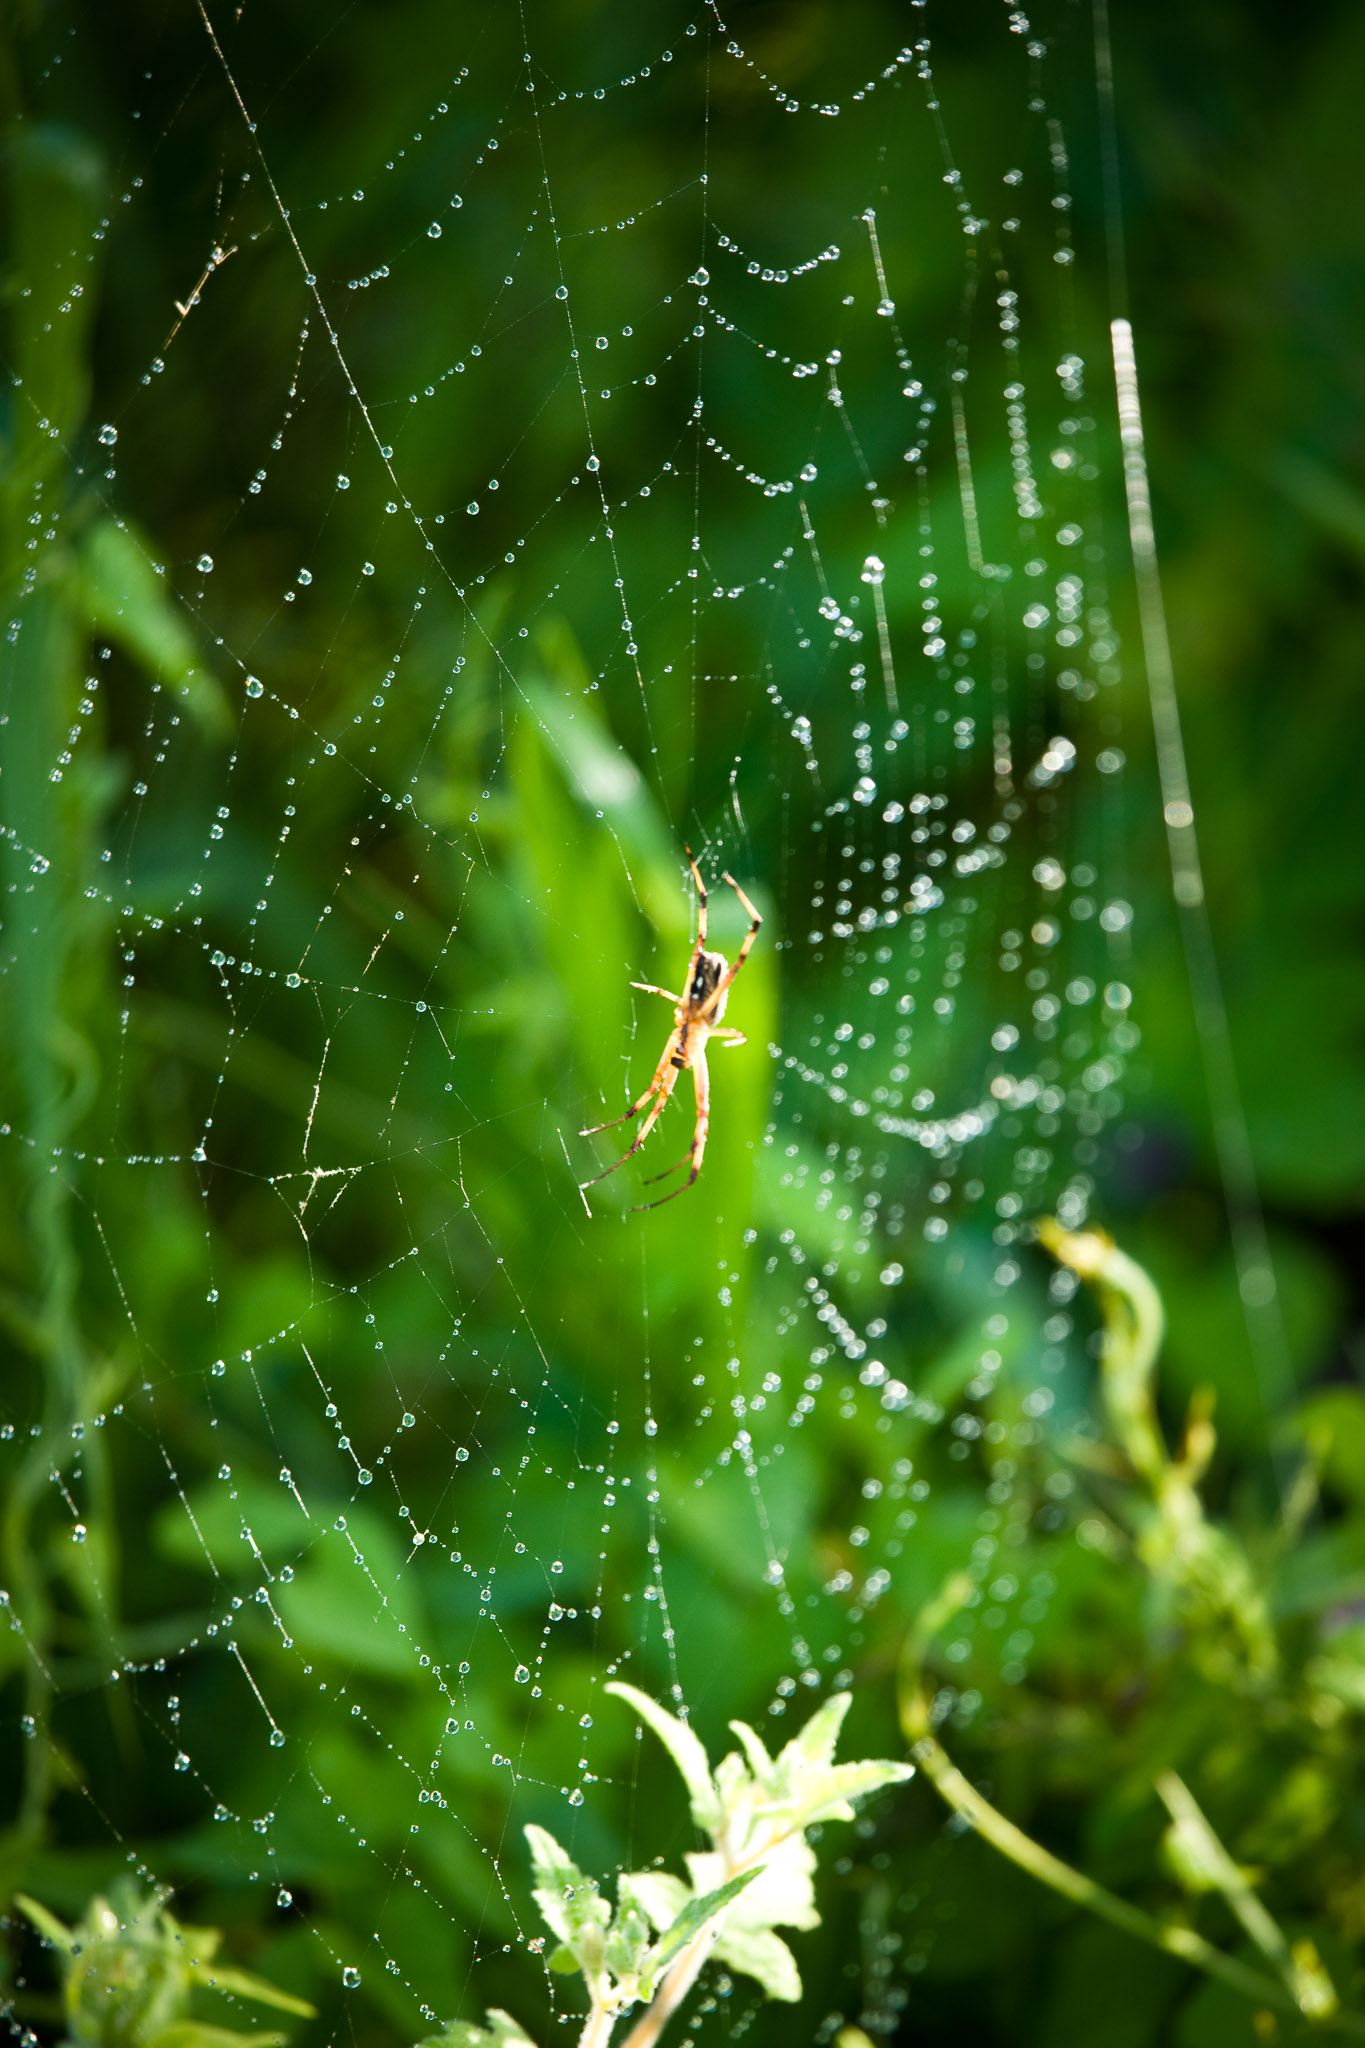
x,y
205,565
350,1977
182,1762
284,1898
254,687
522,1675
576,1796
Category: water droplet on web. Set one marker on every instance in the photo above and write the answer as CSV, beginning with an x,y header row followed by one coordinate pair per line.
x,y
435,231
585,1720
305,576
29,1725
254,687
205,565
182,1762
472,507
592,463
78,1533
284,1898
277,1738
522,1675
108,436
292,980
576,1796
700,276
220,1812
350,1977
461,1455
364,1478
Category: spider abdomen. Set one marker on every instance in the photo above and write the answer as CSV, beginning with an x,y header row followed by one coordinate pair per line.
x,y
706,976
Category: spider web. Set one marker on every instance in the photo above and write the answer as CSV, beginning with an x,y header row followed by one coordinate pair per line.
x,y
554,467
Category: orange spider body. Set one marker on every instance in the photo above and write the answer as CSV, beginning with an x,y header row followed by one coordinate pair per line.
x,y
697,1015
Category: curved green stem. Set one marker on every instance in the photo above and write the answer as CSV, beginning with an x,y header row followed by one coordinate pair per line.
x,y
1040,1863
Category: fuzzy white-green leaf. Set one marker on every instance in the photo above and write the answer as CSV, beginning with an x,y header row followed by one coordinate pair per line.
x,y
759,1953
502,2032
683,1746
570,1903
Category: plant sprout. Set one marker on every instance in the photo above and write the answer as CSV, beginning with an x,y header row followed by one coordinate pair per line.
x,y
129,1970
755,1877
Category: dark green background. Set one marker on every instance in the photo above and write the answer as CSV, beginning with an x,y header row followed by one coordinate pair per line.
x,y
1240,159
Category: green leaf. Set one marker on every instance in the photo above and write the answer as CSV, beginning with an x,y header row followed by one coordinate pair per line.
x,y
562,1961
695,1915
200,2034
683,1746
123,597
46,1923
242,1984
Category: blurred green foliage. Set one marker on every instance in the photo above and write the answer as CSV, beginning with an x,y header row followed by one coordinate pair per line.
x,y
371,1215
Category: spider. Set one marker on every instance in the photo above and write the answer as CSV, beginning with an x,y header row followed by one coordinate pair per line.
x,y
697,1017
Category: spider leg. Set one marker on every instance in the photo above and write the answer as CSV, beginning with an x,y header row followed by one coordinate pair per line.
x,y
661,1094
648,988
702,1082
659,1072
701,904
755,923
728,1035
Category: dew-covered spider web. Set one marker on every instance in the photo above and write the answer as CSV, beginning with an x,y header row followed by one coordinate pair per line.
x,y
460,459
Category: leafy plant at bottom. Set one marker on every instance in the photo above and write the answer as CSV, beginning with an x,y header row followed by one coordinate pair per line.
x,y
756,1876
129,1971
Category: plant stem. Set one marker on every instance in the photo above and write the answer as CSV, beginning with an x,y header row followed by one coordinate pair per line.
x,y
1040,1863
1300,1967
679,1980
597,2027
